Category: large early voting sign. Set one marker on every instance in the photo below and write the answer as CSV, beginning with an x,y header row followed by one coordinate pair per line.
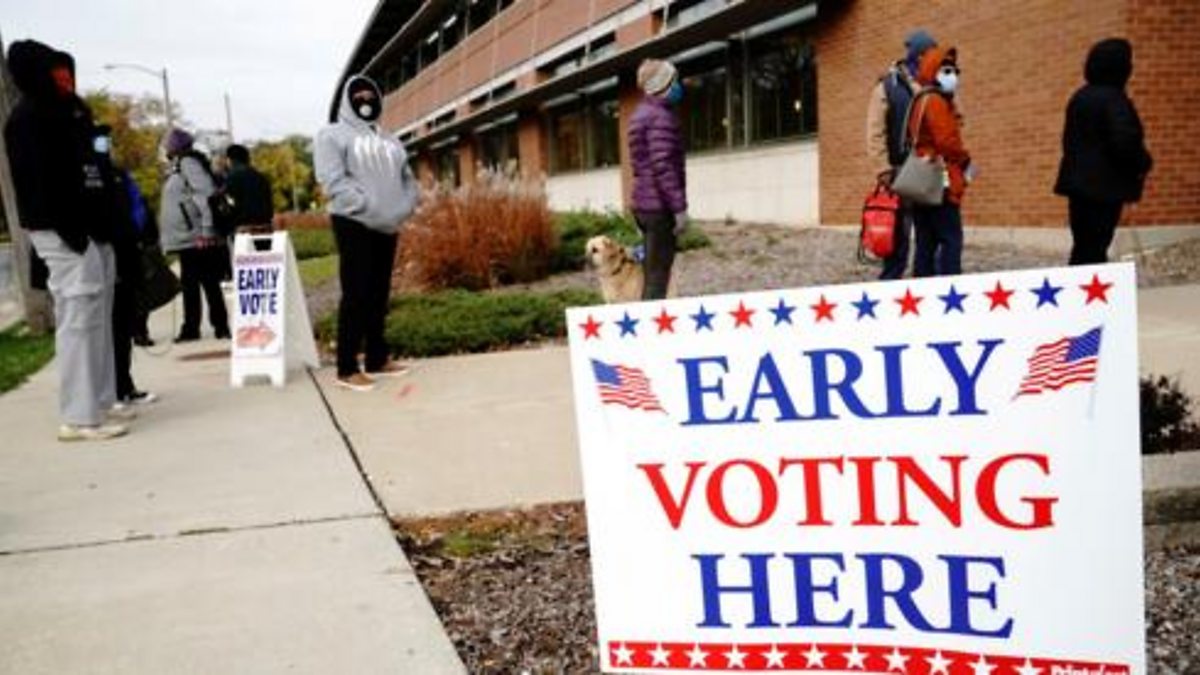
x,y
927,476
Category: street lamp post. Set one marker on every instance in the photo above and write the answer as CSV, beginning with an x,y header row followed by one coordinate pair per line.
x,y
160,74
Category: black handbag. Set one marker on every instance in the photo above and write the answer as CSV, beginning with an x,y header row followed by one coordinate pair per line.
x,y
159,284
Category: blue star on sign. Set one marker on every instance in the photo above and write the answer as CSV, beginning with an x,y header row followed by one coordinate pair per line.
x,y
703,319
628,325
866,307
954,300
783,312
1046,294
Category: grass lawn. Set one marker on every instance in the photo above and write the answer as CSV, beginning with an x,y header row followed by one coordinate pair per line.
x,y
21,355
316,271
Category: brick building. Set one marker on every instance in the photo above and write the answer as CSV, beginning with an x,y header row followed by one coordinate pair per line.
x,y
774,116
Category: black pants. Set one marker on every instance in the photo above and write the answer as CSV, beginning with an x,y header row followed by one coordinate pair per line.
x,y
939,240
365,270
203,269
123,324
895,264
1093,225
659,230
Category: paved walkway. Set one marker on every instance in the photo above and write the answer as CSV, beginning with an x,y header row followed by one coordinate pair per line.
x,y
231,532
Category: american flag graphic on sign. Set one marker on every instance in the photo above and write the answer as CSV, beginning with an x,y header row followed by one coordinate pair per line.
x,y
625,386
1071,360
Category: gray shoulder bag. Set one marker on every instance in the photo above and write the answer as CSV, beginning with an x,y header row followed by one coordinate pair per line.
x,y
919,180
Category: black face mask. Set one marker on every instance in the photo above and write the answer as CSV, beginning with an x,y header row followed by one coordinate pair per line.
x,y
364,101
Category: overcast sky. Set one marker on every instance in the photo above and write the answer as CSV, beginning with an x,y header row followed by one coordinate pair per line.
x,y
277,59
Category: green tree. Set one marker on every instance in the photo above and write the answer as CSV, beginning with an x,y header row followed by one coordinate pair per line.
x,y
288,165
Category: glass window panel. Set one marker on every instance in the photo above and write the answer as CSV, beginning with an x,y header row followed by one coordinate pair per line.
x,y
782,87
567,138
605,131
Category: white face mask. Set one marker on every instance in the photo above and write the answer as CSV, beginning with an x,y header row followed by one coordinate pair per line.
x,y
365,111
948,81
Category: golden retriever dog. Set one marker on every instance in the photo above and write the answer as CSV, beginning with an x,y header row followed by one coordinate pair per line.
x,y
621,277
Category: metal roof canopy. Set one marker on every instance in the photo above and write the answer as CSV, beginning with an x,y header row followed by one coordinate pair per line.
x,y
744,13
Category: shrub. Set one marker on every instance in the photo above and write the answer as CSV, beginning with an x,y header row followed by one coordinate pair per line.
x,y
1167,422
313,243
492,232
455,322
576,227
301,220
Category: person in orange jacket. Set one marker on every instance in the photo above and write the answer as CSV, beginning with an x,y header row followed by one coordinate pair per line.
x,y
936,126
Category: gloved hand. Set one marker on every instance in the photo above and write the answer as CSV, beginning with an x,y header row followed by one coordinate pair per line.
x,y
681,223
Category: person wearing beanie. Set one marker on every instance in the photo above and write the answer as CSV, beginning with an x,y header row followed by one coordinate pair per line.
x,y
186,222
889,102
659,202
61,195
372,192
1105,161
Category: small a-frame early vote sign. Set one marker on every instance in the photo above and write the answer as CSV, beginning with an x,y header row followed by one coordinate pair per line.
x,y
271,329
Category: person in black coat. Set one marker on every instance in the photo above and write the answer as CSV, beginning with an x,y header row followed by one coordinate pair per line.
x,y
1105,161
251,193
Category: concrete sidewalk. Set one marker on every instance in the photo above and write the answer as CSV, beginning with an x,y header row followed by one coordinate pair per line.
x,y
230,532
497,430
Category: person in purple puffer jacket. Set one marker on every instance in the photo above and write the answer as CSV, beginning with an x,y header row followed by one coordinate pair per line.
x,y
659,177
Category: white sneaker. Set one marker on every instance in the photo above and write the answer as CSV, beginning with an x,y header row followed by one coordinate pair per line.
x,y
100,432
122,412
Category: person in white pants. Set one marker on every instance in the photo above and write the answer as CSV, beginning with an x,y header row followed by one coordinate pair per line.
x,y
66,203
82,286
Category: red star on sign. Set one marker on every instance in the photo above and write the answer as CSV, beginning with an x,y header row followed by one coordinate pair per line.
x,y
666,322
824,309
741,316
591,329
999,296
909,303
1096,290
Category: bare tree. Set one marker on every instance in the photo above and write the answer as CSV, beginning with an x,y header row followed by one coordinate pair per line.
x,y
35,304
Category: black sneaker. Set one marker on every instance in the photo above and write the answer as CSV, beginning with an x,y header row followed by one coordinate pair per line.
x,y
222,334
187,336
140,398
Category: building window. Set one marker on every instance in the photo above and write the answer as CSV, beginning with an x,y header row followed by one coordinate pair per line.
x,y
480,12
566,127
781,87
445,164
704,111
683,12
604,132
451,32
499,148
584,130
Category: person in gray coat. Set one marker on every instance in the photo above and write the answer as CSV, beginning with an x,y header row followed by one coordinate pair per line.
x,y
187,229
372,190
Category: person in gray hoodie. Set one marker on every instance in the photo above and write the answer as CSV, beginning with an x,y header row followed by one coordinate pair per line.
x,y
187,229
364,173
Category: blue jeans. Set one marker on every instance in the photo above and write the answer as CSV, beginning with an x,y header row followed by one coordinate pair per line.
x,y
939,240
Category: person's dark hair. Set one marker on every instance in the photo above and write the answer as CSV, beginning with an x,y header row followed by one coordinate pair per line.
x,y
238,154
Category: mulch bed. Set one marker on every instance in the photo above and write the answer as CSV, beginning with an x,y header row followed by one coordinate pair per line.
x,y
514,590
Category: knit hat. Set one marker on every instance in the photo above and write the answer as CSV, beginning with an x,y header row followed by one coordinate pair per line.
x,y
178,142
654,76
917,43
